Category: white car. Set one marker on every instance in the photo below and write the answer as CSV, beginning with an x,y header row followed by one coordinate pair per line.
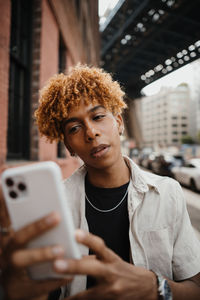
x,y
189,174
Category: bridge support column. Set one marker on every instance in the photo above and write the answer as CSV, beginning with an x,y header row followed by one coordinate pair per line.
x,y
132,121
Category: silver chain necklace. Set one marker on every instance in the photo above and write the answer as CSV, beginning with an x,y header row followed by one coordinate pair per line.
x,y
107,210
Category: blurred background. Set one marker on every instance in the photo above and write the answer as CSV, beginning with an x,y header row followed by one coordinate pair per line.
x,y
152,47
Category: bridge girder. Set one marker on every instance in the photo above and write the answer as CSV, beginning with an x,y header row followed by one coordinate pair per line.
x,y
149,39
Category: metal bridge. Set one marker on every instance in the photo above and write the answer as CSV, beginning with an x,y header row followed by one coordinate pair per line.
x,y
144,40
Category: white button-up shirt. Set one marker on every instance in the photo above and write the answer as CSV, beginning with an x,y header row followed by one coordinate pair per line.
x,y
161,236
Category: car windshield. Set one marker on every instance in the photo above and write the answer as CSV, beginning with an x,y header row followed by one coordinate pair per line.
x,y
178,162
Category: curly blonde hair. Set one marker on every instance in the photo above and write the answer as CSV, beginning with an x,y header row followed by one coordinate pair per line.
x,y
64,92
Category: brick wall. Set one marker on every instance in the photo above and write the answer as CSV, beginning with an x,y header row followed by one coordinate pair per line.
x,y
4,75
89,20
50,19
35,80
72,25
49,42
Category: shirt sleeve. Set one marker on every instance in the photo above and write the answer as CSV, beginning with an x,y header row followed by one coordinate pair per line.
x,y
186,251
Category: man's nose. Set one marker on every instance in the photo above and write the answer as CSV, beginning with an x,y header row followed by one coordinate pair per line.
x,y
91,132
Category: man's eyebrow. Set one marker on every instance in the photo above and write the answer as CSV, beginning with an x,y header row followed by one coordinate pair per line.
x,y
96,107
71,120
74,119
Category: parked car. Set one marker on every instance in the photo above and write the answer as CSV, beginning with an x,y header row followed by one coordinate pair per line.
x,y
148,160
189,174
134,154
143,156
163,164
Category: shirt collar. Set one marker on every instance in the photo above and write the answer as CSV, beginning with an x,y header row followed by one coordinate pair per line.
x,y
140,179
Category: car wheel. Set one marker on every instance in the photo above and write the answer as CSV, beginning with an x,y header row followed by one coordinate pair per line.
x,y
193,185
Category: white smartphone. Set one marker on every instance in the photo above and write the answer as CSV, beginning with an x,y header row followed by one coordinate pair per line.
x,y
31,192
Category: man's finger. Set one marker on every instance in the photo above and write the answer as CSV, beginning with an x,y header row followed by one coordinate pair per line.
x,y
33,230
27,257
97,245
92,267
91,256
5,228
4,217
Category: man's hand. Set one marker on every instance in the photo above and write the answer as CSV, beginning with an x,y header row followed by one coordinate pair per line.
x,y
14,257
116,279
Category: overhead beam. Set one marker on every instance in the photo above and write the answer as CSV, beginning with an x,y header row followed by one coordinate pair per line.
x,y
125,25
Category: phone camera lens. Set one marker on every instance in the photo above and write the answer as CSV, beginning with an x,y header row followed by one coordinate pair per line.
x,y
9,182
13,194
21,186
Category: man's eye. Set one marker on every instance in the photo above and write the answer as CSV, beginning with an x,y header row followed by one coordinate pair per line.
x,y
98,117
74,129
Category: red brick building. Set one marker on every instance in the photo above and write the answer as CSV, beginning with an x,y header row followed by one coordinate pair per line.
x,y
39,38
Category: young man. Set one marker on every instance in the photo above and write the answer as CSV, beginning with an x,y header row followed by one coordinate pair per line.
x,y
150,250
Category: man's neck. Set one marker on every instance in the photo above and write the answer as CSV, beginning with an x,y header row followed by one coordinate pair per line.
x,y
111,177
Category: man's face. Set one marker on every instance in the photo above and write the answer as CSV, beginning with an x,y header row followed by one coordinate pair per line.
x,y
92,132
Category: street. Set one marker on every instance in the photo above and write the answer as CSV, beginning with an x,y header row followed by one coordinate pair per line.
x,y
193,206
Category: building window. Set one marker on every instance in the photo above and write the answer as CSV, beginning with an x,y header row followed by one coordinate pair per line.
x,y
61,56
174,118
61,152
174,125
19,80
174,141
175,132
184,125
184,132
77,4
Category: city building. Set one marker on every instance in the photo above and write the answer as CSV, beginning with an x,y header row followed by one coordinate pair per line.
x,y
195,101
39,38
164,116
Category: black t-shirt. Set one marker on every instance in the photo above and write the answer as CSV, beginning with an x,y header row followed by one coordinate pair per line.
x,y
113,226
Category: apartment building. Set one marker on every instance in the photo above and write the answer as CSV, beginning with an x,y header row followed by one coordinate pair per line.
x,y
195,100
164,117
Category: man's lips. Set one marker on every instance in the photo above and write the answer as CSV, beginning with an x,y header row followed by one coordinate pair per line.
x,y
99,150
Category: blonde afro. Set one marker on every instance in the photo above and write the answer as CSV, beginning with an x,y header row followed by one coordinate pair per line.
x,y
64,92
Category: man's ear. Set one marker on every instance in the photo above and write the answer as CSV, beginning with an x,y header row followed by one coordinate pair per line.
x,y
120,123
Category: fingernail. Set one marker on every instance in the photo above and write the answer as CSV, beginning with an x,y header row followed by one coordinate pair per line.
x,y
61,265
52,218
57,250
80,234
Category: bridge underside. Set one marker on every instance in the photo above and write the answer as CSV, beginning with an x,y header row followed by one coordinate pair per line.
x,y
148,39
